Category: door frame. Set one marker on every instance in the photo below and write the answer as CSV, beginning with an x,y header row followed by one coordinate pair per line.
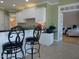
x,y
61,10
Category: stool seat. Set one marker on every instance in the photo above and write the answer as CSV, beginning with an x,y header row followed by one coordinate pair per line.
x,y
32,40
9,45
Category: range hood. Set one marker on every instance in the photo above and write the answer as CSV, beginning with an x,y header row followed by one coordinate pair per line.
x,y
29,23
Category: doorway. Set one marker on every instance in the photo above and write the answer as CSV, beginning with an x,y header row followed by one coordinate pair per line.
x,y
61,10
71,27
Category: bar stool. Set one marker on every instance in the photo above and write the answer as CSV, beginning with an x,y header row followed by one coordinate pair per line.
x,y
32,41
16,36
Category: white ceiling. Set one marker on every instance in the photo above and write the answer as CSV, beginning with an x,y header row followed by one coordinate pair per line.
x,y
8,3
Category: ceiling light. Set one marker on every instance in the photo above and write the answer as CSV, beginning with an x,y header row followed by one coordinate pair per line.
x,y
1,1
26,0
14,5
30,5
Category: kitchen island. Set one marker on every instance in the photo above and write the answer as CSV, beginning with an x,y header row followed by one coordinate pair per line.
x,y
28,33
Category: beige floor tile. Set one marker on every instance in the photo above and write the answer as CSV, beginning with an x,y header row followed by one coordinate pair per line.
x,y
58,51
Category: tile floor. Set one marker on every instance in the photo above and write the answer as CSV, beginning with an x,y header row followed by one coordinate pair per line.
x,y
58,51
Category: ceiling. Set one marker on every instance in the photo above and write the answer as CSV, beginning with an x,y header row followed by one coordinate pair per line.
x,y
7,5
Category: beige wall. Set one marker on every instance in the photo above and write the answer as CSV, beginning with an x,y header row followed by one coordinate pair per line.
x,y
71,18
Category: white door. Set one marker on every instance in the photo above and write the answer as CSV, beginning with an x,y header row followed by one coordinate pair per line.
x,y
60,27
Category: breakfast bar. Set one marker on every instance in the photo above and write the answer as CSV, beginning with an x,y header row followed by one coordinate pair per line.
x,y
28,33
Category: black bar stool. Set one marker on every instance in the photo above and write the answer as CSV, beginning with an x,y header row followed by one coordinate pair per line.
x,y
16,36
32,41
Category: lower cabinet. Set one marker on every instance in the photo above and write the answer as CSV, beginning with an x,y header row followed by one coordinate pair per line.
x,y
46,39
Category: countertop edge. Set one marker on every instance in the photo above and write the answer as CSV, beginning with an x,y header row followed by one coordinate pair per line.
x,y
9,30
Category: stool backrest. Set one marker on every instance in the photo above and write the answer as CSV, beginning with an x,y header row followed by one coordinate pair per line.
x,y
16,35
37,33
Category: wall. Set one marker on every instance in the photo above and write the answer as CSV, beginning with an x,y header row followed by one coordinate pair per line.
x,y
71,16
51,14
51,17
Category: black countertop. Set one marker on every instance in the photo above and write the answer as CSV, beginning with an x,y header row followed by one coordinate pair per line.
x,y
9,29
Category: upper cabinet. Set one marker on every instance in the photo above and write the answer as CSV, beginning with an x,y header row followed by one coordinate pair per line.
x,y
29,13
38,13
20,17
4,20
1,18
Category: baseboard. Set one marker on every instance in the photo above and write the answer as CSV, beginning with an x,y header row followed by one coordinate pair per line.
x,y
57,40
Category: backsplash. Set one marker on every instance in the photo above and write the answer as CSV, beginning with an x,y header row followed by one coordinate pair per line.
x,y
29,23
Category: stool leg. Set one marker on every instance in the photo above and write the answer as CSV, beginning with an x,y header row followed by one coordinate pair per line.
x,y
39,51
31,51
7,55
2,55
25,48
11,55
15,53
22,52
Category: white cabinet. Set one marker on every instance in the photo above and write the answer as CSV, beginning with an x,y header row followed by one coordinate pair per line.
x,y
46,39
1,20
19,17
26,13
37,13
40,14
29,13
4,20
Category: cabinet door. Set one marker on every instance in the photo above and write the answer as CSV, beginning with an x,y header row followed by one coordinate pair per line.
x,y
6,21
20,17
26,13
1,20
29,13
41,14
38,13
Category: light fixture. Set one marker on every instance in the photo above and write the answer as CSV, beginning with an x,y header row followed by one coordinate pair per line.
x,y
14,5
1,1
26,0
30,5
